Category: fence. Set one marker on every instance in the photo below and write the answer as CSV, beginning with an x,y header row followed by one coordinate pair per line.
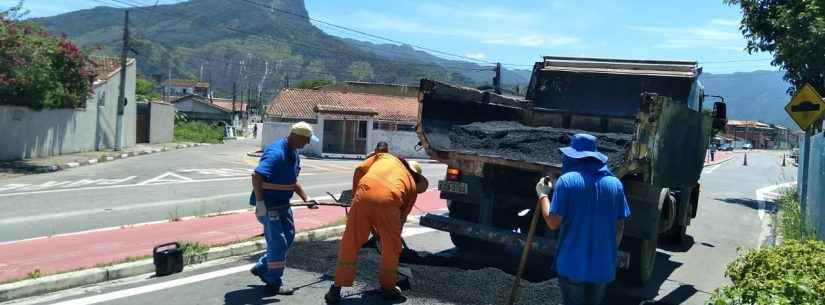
x,y
815,203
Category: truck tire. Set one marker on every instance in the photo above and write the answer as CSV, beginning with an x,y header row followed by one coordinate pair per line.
x,y
468,212
677,235
642,259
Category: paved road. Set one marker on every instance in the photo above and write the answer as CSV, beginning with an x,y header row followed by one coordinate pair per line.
x,y
729,218
156,187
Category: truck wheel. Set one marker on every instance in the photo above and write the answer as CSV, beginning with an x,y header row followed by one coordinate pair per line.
x,y
677,235
468,212
642,259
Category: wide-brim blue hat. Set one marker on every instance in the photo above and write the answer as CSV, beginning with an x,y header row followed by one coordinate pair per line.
x,y
583,145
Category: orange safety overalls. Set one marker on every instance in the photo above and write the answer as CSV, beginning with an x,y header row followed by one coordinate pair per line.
x,y
385,192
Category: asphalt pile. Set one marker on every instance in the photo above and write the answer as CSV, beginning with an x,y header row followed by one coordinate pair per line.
x,y
430,284
514,141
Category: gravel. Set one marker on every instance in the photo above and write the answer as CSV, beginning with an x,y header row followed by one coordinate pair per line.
x,y
430,284
512,140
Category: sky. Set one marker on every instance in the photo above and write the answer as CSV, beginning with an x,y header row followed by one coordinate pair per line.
x,y
517,33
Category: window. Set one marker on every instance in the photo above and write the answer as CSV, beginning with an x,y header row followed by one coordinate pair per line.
x,y
362,129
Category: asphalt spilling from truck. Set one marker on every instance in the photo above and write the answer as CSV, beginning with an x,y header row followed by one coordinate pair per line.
x,y
514,141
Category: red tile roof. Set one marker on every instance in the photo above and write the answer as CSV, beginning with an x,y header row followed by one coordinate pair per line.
x,y
305,104
105,67
227,104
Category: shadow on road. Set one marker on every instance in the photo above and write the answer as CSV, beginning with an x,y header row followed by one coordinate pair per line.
x,y
769,207
252,295
623,293
682,247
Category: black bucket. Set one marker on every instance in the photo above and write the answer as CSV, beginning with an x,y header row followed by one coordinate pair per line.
x,y
168,259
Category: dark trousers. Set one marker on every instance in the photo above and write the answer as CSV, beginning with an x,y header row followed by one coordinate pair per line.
x,y
581,293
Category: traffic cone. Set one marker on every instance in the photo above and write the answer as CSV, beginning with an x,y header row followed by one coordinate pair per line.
x,y
745,162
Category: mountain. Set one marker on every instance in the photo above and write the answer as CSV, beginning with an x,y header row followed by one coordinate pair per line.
x,y
239,41
758,95
478,73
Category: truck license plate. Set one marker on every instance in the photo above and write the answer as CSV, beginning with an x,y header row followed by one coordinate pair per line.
x,y
452,187
624,260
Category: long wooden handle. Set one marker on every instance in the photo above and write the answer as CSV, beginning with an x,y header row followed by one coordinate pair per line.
x,y
524,253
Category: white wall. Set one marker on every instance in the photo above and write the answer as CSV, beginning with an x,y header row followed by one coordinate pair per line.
x,y
401,143
34,134
162,122
273,131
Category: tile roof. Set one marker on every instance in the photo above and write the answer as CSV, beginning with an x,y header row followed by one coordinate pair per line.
x,y
751,124
106,67
227,104
185,83
306,103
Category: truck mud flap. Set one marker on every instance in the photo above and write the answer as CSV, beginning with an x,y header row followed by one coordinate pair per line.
x,y
486,233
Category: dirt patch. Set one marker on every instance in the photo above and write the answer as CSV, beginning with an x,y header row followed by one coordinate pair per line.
x,y
514,141
430,284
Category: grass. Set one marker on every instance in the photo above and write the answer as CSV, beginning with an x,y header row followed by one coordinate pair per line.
x,y
192,250
790,224
198,132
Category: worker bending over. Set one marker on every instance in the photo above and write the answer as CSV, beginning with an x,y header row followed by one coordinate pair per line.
x,y
386,188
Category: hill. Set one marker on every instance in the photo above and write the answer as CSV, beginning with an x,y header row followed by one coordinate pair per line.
x,y
758,95
242,41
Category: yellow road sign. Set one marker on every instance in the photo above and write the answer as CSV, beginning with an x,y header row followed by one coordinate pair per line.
x,y
806,106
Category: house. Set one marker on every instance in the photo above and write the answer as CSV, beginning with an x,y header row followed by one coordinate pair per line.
x,y
212,110
92,127
178,87
349,124
759,134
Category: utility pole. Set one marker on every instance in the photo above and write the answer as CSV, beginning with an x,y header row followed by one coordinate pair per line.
x,y
121,96
497,79
234,94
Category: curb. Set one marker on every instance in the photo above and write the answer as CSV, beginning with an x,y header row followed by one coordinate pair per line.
x,y
720,162
113,157
62,281
74,279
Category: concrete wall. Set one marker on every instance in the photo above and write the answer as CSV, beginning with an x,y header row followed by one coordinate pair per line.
x,y
198,111
35,134
401,143
273,131
161,122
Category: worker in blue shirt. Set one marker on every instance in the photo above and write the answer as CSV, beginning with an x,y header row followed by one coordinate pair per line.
x,y
273,183
589,207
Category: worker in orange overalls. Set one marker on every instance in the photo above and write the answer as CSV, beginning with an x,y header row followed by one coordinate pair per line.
x,y
386,188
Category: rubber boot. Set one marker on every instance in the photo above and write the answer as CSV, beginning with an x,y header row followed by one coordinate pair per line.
x,y
392,294
333,296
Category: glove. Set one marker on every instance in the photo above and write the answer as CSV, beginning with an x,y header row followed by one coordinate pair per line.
x,y
544,187
260,208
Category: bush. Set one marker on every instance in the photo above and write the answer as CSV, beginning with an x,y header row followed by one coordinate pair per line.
x,y
197,132
793,273
38,70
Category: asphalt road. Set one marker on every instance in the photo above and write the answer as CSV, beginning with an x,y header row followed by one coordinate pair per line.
x,y
157,187
730,217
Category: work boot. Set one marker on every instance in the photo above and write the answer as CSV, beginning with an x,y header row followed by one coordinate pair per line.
x,y
279,290
392,294
333,296
255,271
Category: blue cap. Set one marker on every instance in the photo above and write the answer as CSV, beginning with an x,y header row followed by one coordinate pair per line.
x,y
583,145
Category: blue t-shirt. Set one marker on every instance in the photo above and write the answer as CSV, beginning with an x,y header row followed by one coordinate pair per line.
x,y
590,201
279,165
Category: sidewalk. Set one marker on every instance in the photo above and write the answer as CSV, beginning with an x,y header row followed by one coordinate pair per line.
x,y
719,157
74,251
10,169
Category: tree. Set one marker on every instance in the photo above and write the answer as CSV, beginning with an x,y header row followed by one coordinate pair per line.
x,y
313,84
16,12
317,69
361,71
793,31
145,90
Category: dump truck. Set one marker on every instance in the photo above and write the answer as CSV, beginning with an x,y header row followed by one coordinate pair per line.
x,y
651,120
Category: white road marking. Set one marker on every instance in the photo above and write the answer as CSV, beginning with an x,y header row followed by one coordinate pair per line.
x,y
713,168
164,178
413,231
157,222
118,186
156,287
41,217
767,221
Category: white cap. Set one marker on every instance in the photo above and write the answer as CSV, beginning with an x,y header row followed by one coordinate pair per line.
x,y
303,129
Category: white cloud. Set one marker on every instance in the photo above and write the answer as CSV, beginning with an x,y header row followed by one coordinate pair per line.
x,y
533,40
720,34
477,55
